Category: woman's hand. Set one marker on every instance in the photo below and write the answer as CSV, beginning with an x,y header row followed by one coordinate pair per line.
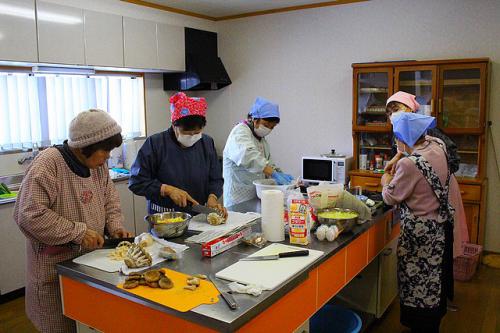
x,y
180,197
121,233
92,240
386,179
214,204
391,165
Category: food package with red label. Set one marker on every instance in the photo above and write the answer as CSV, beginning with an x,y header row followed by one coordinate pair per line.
x,y
221,244
299,221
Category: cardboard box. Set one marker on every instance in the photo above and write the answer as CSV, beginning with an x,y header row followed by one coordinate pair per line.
x,y
222,244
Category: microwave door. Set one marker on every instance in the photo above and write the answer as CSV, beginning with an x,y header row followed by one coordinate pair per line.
x,y
317,170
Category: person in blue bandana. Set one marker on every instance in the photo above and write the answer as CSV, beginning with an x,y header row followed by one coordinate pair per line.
x,y
179,167
247,156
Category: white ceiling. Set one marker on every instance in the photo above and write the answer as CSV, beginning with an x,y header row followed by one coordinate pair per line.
x,y
219,8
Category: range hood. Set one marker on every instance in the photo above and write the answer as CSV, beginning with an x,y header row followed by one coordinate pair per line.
x,y
204,69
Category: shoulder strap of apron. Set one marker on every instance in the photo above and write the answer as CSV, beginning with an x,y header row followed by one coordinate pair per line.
x,y
441,192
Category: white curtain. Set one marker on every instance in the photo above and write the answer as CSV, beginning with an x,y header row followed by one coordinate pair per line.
x,y
39,108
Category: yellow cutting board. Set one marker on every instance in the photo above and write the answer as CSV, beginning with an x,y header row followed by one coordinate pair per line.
x,y
178,298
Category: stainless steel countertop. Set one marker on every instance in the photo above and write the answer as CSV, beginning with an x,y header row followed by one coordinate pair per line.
x,y
216,316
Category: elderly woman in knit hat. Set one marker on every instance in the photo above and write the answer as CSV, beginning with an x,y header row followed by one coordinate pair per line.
x,y
419,188
402,102
179,167
66,203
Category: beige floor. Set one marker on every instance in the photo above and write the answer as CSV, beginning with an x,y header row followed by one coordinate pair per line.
x,y
478,302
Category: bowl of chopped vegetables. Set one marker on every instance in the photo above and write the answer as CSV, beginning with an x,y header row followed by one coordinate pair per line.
x,y
343,218
168,224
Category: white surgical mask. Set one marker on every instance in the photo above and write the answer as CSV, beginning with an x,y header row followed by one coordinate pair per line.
x,y
395,115
188,140
262,131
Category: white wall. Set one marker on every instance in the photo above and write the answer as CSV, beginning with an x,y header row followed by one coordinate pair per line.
x,y
302,60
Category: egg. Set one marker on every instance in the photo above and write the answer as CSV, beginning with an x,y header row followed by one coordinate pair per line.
x,y
332,233
321,232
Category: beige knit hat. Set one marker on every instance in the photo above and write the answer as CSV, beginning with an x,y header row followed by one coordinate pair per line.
x,y
90,127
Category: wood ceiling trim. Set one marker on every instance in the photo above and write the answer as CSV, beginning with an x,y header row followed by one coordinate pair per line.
x,y
237,16
288,9
170,9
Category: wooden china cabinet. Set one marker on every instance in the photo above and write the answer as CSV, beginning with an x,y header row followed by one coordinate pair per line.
x,y
453,91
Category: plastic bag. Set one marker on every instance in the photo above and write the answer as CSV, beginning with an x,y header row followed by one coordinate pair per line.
x,y
324,195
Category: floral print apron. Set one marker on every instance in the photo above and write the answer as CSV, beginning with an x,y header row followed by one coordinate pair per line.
x,y
421,247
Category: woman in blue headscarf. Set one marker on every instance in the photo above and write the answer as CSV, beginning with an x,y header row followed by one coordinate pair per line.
x,y
247,156
419,188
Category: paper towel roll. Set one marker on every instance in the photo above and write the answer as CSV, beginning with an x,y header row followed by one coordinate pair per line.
x,y
272,215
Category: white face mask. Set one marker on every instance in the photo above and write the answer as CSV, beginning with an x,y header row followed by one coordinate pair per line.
x,y
262,131
188,140
395,115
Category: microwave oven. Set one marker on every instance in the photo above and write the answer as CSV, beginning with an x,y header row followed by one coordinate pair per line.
x,y
333,169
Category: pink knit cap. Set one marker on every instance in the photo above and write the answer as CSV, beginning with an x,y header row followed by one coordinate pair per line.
x,y
407,99
182,106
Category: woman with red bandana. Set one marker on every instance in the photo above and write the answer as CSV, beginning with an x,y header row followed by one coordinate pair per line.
x,y
179,167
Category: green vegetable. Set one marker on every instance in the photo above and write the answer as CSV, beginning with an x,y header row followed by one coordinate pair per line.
x,y
338,215
4,189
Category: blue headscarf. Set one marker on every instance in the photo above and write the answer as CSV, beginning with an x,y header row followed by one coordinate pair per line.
x,y
409,127
264,109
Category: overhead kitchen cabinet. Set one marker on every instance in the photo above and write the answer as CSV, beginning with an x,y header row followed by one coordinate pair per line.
x,y
455,92
60,34
103,39
139,42
18,31
171,47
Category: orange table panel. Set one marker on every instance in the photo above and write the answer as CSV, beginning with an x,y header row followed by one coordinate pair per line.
x,y
109,313
290,311
331,277
376,239
357,256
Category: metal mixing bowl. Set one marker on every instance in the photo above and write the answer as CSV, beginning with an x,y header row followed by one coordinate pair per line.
x,y
168,230
343,223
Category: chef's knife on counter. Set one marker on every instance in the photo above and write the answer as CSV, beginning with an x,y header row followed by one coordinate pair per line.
x,y
228,298
301,253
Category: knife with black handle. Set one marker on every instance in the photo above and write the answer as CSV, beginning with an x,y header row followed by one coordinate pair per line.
x,y
301,253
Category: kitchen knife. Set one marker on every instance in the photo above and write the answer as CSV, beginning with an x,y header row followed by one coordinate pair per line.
x,y
204,209
301,253
113,242
228,298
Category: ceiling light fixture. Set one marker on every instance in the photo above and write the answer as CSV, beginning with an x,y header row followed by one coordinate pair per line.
x,y
62,70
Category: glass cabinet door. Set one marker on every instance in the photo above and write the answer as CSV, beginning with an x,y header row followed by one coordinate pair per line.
x,y
468,150
462,98
421,82
373,149
372,89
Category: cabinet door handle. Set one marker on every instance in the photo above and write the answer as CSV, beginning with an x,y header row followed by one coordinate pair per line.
x,y
371,184
439,105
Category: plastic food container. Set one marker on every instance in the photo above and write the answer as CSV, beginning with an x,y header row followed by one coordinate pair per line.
x,y
269,184
162,228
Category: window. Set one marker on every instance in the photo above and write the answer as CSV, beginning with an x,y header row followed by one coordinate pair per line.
x,y
37,108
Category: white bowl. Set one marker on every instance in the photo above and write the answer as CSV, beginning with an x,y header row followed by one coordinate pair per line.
x,y
269,184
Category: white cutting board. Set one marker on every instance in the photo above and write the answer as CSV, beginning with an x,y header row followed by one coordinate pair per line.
x,y
99,259
269,273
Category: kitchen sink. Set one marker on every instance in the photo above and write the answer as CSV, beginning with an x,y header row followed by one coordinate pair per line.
x,y
13,182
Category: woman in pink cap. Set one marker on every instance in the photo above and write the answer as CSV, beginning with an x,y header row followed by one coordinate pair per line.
x,y
179,167
404,102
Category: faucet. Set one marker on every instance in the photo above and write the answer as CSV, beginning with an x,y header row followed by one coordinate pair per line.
x,y
29,156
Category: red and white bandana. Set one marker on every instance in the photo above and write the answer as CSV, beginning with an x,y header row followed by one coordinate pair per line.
x,y
182,106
